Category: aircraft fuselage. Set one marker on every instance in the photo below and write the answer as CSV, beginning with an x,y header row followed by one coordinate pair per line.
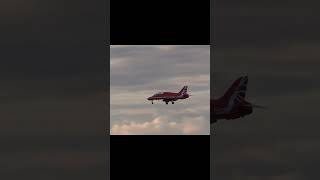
x,y
170,96
222,110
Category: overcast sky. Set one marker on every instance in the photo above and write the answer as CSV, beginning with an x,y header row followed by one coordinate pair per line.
x,y
138,72
277,45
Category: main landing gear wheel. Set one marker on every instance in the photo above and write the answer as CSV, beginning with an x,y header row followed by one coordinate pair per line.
x,y
167,102
152,102
172,102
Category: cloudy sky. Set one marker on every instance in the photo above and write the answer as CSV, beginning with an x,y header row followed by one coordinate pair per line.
x,y
138,72
277,45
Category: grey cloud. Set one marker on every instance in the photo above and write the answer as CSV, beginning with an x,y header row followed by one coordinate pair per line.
x,y
137,72
153,62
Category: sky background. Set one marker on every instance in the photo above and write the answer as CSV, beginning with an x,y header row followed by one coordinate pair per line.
x,y
277,45
53,99
138,72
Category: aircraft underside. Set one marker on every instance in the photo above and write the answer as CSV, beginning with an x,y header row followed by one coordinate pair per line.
x,y
166,100
229,116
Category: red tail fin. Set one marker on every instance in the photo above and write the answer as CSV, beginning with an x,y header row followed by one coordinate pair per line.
x,y
183,90
237,90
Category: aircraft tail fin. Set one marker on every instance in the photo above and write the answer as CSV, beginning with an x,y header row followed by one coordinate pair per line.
x,y
237,91
183,90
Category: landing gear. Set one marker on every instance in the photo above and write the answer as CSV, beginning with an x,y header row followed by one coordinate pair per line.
x,y
152,102
172,102
166,102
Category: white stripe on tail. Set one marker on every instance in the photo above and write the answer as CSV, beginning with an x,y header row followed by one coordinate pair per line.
x,y
183,91
237,93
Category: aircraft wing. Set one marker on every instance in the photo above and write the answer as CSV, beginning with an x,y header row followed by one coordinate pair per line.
x,y
167,97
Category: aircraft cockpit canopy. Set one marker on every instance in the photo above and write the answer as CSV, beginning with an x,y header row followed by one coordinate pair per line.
x,y
159,93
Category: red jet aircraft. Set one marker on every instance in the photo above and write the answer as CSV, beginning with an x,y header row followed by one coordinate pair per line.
x,y
232,104
170,96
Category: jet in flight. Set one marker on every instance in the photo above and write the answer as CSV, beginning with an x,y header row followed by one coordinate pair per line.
x,y
232,104
170,96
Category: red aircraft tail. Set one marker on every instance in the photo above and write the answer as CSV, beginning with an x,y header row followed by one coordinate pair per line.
x,y
183,90
237,91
